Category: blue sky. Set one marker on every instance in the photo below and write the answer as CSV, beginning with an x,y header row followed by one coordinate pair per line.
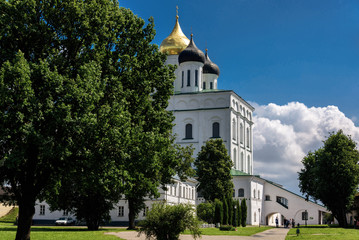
x,y
300,56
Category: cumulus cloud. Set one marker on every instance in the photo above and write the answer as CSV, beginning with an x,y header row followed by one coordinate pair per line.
x,y
283,135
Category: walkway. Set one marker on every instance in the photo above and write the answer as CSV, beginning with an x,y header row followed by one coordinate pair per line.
x,y
271,234
4,209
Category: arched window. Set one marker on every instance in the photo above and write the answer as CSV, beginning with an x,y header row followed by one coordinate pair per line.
x,y
241,132
235,158
182,78
241,192
242,161
196,78
259,194
188,78
254,193
249,165
188,131
248,137
255,217
234,129
215,130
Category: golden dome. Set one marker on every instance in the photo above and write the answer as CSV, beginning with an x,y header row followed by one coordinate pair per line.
x,y
175,42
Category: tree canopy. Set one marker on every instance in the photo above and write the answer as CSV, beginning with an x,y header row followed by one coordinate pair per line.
x,y
331,174
214,170
83,96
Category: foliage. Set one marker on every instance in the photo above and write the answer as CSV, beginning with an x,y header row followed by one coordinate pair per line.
x,y
230,210
227,228
213,170
335,163
225,211
84,94
218,211
239,213
243,212
166,222
205,212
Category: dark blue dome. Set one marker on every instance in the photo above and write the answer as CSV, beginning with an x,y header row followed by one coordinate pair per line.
x,y
191,54
209,66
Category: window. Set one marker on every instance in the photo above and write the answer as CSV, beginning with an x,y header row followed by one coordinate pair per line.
x,y
234,129
267,198
235,158
188,131
249,165
234,192
188,78
241,192
254,193
305,215
193,196
242,161
42,209
241,132
259,194
215,130
282,201
182,78
145,210
211,85
196,78
65,213
204,85
255,217
121,210
248,137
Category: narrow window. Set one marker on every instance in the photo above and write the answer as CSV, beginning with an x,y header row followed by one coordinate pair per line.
x,y
145,210
241,132
188,131
42,209
182,78
248,136
211,85
234,192
65,213
215,130
235,158
255,217
196,78
204,85
234,129
121,211
259,194
242,161
188,78
254,193
249,165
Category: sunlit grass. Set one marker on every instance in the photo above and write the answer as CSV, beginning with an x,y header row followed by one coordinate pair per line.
x,y
241,231
324,233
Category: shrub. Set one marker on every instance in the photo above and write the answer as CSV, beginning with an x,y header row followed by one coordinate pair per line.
x,y
244,213
166,222
205,212
225,211
227,228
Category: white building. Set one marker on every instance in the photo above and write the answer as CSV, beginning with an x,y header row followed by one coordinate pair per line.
x,y
202,112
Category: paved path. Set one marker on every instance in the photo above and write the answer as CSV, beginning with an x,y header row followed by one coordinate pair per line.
x,y
271,234
4,210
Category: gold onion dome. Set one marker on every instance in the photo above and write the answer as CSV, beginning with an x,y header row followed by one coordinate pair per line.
x,y
175,42
209,66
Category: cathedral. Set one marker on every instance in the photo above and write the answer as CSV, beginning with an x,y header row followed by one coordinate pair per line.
x,y
203,111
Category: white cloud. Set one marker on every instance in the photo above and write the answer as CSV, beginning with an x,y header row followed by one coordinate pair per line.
x,y
283,135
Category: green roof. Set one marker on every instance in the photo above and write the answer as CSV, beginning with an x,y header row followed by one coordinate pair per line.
x,y
235,172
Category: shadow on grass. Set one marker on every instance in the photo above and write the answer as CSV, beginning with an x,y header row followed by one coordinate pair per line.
x,y
53,229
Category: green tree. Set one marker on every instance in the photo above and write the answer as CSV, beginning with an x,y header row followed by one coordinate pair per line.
x,y
239,213
331,174
213,169
243,213
80,83
225,211
166,222
218,211
230,210
205,212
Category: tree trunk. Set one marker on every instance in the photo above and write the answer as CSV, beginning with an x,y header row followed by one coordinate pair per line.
x,y
131,215
92,225
342,219
26,212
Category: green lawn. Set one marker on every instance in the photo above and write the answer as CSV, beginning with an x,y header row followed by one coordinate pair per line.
x,y
8,232
241,231
324,233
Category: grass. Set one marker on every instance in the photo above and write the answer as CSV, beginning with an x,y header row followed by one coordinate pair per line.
x,y
241,231
320,232
10,217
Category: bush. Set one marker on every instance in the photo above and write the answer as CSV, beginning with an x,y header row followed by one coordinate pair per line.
x,y
205,212
218,211
166,222
244,213
227,228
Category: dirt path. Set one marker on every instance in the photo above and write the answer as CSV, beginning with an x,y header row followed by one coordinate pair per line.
x,y
4,210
